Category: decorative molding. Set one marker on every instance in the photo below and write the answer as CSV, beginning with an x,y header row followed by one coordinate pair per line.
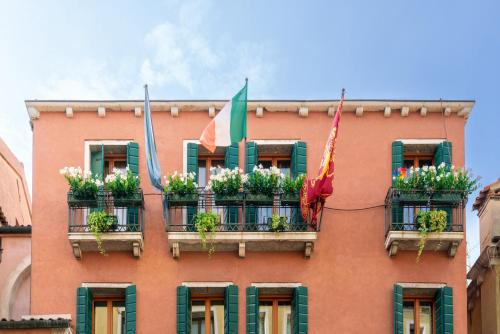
x,y
303,111
106,285
421,141
33,113
359,111
412,285
276,285
137,111
174,111
405,111
69,112
464,111
387,111
101,111
423,111
447,111
331,111
211,111
259,112
207,284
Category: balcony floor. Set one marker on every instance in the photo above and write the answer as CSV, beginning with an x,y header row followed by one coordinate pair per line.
x,y
242,241
111,242
408,240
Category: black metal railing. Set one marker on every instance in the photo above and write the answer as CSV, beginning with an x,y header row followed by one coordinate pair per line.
x,y
241,213
402,208
127,213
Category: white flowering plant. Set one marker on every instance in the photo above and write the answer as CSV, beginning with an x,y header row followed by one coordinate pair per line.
x,y
431,178
226,181
83,185
122,183
265,181
180,184
292,185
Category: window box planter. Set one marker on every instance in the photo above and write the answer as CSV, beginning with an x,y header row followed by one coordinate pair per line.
x,y
409,196
82,200
176,200
228,200
259,199
131,200
290,199
448,197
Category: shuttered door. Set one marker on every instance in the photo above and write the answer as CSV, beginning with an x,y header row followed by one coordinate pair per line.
x,y
192,167
443,154
231,310
97,169
130,309
231,214
444,311
298,167
398,308
251,160
83,311
133,223
299,311
252,300
397,162
183,310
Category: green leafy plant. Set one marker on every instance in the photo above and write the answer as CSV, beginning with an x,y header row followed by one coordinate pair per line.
x,y
206,224
83,185
100,222
278,223
181,184
432,178
427,222
264,181
122,184
225,181
291,185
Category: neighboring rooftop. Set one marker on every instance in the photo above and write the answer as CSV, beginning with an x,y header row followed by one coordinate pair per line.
x,y
35,323
486,193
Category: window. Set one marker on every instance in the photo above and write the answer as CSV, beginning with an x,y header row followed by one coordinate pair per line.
x,y
275,314
207,314
108,315
205,163
418,313
281,162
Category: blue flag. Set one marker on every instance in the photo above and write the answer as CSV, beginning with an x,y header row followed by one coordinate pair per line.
x,y
154,171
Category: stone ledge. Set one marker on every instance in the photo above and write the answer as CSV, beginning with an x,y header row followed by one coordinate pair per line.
x,y
112,242
408,240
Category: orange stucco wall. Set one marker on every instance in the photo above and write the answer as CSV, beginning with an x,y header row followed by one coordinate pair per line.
x,y
350,275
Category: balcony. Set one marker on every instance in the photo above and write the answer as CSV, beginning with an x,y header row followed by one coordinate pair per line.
x,y
243,225
401,226
125,234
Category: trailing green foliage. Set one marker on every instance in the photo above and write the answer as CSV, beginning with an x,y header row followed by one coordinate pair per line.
x,y
122,184
429,221
278,223
206,224
100,222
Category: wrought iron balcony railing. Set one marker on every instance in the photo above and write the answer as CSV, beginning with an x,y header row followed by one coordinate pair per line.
x,y
241,213
127,213
402,208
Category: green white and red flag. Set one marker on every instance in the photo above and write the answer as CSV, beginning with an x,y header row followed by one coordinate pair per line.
x,y
315,191
230,124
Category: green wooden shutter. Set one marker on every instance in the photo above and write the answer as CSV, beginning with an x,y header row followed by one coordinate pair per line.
x,y
252,310
191,167
231,214
299,311
97,162
299,159
398,308
231,310
444,311
83,311
397,162
443,154
130,309
183,310
251,160
133,223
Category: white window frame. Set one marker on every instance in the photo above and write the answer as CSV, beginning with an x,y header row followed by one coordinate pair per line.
x,y
88,143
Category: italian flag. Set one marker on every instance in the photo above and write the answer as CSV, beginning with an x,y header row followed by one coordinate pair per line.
x,y
230,124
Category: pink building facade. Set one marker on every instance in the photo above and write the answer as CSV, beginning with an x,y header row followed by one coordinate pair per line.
x,y
358,262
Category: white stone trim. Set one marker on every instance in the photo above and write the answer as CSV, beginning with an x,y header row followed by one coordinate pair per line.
x,y
207,284
101,111
22,270
274,141
273,285
137,111
174,111
423,111
412,285
88,143
69,112
259,112
211,112
387,111
106,285
65,316
303,111
405,111
359,111
421,141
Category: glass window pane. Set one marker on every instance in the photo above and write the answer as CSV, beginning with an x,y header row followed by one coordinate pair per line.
x,y
426,318
202,173
100,317
265,317
217,317
408,317
284,166
218,163
120,164
408,163
265,163
198,317
424,162
118,317
284,318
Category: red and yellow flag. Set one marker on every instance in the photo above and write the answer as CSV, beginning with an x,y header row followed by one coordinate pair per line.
x,y
315,191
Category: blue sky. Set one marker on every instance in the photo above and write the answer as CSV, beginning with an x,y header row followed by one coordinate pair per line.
x,y
288,49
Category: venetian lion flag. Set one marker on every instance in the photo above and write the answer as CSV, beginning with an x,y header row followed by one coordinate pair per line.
x,y
230,124
315,191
